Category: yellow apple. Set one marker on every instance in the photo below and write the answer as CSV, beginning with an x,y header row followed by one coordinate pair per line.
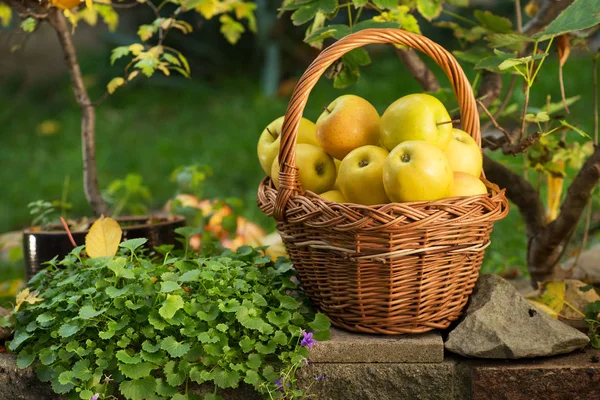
x,y
464,154
316,170
347,123
334,195
268,142
336,185
466,185
416,171
361,176
416,116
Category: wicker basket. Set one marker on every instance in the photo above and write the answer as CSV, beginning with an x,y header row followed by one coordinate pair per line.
x,y
393,268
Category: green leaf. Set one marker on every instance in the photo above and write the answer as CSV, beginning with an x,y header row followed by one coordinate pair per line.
x,y
244,317
327,6
138,389
136,371
45,318
320,323
581,14
252,378
170,306
88,312
344,79
173,347
147,66
280,338
287,302
47,356
269,348
231,29
118,52
574,128
226,379
124,357
429,9
25,359
386,4
169,286
258,300
118,266
149,347
473,55
355,59
133,244
305,13
164,389
81,370
541,116
247,344
492,22
29,24
69,329
359,3
279,320
174,377
190,276
231,305
512,62
113,292
369,23
586,288
494,61
86,394
254,361
513,41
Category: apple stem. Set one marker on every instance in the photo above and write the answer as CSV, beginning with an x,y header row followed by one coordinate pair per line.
x,y
271,133
327,109
454,121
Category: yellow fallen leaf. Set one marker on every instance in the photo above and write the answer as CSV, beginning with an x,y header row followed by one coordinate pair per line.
x,y
544,308
553,296
25,296
103,238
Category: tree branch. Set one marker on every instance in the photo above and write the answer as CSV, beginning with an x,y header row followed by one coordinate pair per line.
x,y
419,70
548,11
520,192
545,243
490,89
88,113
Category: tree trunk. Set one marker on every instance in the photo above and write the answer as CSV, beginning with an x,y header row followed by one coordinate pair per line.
x,y
88,114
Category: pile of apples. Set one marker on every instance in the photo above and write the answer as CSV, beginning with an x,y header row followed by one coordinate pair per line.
x,y
352,155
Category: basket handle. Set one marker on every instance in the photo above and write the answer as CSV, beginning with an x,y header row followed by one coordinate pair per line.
x,y
288,173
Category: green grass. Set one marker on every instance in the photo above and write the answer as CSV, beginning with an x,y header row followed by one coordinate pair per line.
x,y
153,128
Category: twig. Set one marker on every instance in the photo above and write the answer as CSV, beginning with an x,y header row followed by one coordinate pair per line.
x,y
419,70
519,15
525,106
66,226
493,121
595,85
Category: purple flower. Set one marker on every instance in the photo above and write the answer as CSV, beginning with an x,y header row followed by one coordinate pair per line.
x,y
95,397
307,340
321,377
279,383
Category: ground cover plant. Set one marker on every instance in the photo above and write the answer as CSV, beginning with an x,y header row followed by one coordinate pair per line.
x,y
148,323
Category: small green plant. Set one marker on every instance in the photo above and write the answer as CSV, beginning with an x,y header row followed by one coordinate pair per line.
x,y
128,195
592,319
146,324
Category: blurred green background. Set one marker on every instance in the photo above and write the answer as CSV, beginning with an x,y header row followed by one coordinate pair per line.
x,y
215,118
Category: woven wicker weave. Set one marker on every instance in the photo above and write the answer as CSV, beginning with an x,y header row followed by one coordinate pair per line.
x,y
392,268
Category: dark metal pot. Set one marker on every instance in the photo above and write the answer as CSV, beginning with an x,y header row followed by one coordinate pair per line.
x,y
42,246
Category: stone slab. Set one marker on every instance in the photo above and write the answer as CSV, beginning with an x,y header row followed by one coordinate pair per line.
x,y
346,347
574,376
377,381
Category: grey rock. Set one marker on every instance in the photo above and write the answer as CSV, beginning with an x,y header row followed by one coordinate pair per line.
x,y
21,384
587,268
346,347
500,323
